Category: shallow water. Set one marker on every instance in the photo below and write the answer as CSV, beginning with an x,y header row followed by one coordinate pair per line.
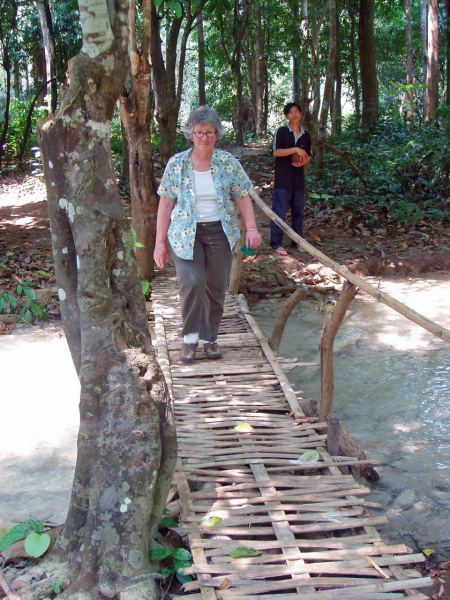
x,y
39,425
392,392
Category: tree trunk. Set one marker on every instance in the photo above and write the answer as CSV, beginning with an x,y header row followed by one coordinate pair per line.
x,y
432,92
316,83
296,86
259,72
423,37
409,63
6,29
231,36
126,442
447,86
16,74
49,53
336,128
238,101
135,112
250,59
354,70
296,80
328,87
367,60
201,64
6,63
169,77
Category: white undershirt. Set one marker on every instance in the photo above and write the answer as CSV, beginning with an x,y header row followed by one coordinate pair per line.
x,y
206,207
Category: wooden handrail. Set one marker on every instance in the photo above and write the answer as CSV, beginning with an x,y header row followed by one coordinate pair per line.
x,y
406,311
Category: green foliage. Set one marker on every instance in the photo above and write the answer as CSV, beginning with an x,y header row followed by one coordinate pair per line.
x,y
23,303
116,138
180,559
145,285
57,588
36,542
17,123
244,552
168,522
406,170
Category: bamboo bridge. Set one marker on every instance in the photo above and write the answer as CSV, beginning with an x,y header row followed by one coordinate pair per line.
x,y
268,512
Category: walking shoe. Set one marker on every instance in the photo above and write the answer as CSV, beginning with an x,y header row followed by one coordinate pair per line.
x,y
187,352
212,350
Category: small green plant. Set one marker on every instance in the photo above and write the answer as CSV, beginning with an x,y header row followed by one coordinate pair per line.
x,y
145,285
181,559
57,588
36,542
23,302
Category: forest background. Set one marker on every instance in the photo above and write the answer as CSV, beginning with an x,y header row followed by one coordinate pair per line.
x,y
372,78
380,170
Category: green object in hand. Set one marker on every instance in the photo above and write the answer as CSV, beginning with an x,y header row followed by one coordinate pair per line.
x,y
247,250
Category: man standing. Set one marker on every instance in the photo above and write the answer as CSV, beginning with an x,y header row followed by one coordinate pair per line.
x,y
292,151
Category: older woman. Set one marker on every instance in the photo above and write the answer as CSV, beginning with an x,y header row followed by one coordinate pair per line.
x,y
197,219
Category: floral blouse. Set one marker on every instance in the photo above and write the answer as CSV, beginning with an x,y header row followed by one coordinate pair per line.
x,y
231,183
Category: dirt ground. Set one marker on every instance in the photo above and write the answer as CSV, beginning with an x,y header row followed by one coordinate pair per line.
x,y
25,255
25,240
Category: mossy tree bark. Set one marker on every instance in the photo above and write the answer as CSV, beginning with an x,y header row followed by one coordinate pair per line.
x,y
126,441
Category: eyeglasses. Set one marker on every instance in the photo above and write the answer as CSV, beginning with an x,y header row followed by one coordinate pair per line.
x,y
201,134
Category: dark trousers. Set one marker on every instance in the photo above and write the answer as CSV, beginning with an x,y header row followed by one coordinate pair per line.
x,y
281,201
203,281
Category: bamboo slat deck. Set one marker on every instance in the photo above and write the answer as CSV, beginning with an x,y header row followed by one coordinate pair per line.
x,y
312,524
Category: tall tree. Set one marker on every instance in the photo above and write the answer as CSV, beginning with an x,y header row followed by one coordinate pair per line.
x,y
367,61
328,86
232,32
447,83
336,125
7,29
432,92
201,63
135,112
169,76
126,442
254,53
45,19
232,29
353,68
424,40
409,62
259,70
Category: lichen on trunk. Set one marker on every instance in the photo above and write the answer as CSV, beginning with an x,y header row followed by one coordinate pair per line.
x,y
126,441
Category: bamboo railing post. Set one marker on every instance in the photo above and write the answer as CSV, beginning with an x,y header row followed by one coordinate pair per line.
x,y
327,336
406,311
283,315
236,265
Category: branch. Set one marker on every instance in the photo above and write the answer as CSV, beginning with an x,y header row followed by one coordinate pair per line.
x,y
343,154
19,156
132,25
11,594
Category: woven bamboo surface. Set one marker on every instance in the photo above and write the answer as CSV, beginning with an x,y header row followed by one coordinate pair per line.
x,y
240,433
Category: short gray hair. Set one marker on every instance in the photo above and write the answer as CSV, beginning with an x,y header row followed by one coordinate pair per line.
x,y
203,116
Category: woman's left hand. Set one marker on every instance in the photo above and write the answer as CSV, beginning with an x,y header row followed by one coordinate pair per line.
x,y
252,239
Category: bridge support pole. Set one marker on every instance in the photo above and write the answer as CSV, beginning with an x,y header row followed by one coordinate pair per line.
x,y
327,336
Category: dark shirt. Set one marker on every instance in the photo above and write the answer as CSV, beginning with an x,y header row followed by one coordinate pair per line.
x,y
288,177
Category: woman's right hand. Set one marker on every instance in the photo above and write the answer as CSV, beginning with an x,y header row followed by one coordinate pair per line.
x,y
161,253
